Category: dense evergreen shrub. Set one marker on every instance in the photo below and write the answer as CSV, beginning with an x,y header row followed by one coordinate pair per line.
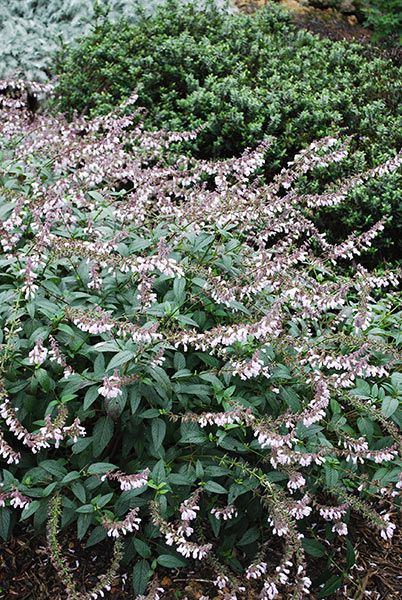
x,y
183,367
242,78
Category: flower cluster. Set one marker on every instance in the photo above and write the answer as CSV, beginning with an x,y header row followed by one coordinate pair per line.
x,y
226,513
130,524
15,498
128,482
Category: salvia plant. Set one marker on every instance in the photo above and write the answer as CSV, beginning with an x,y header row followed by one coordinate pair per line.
x,y
188,367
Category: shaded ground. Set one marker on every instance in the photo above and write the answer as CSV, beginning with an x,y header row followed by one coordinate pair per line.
x,y
27,574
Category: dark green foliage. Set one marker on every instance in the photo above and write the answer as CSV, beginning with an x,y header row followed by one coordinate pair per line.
x,y
385,17
244,77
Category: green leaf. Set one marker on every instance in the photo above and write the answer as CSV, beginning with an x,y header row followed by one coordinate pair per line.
x,y
313,547
5,521
119,359
83,522
396,380
179,361
142,548
79,491
53,467
291,398
216,488
179,285
135,398
97,535
171,562
158,431
90,396
30,509
191,433
161,378
96,196
98,468
249,537
389,406
151,413
181,479
81,445
186,320
141,575
333,584
350,554
158,472
67,329
87,508
102,434
99,366
70,477
115,406
105,499
49,489
331,476
45,382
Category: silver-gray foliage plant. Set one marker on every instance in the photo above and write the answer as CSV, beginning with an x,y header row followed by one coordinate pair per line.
x,y
33,30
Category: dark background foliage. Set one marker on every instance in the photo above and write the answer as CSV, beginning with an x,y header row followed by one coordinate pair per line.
x,y
244,78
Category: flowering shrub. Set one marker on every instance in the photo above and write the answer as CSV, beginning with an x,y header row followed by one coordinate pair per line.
x,y
185,368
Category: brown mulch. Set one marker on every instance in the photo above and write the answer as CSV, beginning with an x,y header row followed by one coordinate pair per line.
x,y
378,566
26,572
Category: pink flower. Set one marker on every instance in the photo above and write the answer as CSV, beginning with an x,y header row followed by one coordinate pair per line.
x,y
187,513
269,591
18,500
279,526
340,528
296,481
131,523
256,570
388,530
111,387
38,355
221,582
